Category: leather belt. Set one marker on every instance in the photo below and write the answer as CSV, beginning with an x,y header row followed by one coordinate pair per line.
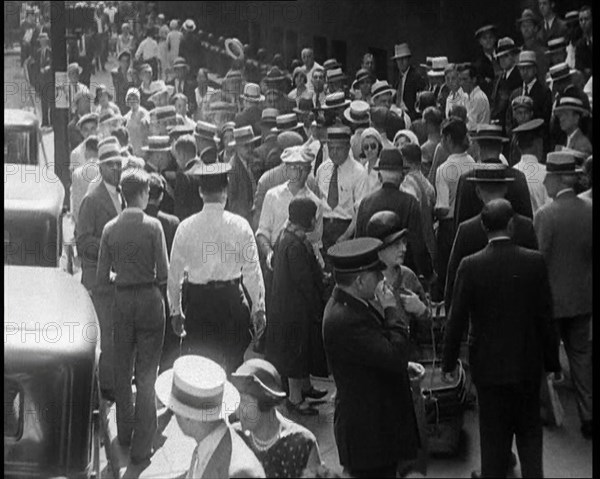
x,y
212,285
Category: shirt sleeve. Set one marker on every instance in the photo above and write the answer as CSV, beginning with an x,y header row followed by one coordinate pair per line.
x,y
176,269
251,272
267,214
443,192
104,261
360,189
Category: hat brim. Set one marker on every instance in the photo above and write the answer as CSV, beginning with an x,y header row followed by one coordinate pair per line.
x,y
248,142
404,55
506,52
487,28
79,70
335,107
250,384
491,180
436,73
526,64
577,109
277,130
383,92
376,266
391,239
229,403
253,99
298,111
150,149
347,116
491,138
111,159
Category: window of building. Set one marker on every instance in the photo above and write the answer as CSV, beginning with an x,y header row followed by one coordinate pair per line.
x,y
320,49
381,62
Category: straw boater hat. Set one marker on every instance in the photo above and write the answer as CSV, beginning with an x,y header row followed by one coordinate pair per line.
x,y
522,101
197,388
556,44
527,58
286,122
252,93
93,117
489,132
74,67
437,66
561,163
401,51
505,46
244,135
330,64
571,103
338,133
268,117
274,75
109,150
358,113
335,74
180,62
206,131
484,29
162,114
380,87
559,71
157,144
572,16
234,48
491,172
189,25
335,100
305,105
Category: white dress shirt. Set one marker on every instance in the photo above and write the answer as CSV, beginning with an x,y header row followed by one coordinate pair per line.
x,y
309,75
478,108
352,185
215,245
147,50
446,180
535,173
527,88
458,98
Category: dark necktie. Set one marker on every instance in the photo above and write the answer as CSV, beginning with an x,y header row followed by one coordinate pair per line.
x,y
333,195
319,159
123,204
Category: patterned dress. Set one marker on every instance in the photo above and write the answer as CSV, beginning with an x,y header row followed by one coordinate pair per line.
x,y
288,457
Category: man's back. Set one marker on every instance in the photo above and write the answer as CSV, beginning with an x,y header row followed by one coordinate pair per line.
x,y
504,291
564,230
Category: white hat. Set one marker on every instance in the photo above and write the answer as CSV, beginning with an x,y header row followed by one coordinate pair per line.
x,y
189,25
401,51
297,154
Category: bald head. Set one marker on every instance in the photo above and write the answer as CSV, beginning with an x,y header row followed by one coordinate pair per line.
x,y
496,216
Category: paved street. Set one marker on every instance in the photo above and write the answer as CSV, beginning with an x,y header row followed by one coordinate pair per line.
x,y
566,453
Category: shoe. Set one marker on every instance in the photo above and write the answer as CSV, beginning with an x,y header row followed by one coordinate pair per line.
x,y
586,429
314,393
302,409
512,463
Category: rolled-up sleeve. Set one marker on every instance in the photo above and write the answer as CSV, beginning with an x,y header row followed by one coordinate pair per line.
x,y
251,272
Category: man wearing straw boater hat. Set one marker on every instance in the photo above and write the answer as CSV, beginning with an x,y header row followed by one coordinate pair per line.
x,y
334,106
410,82
435,67
513,341
242,184
161,118
361,87
529,26
569,110
197,392
367,353
251,109
564,231
138,311
101,204
214,310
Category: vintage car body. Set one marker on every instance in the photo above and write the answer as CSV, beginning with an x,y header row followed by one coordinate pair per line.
x,y
33,195
50,383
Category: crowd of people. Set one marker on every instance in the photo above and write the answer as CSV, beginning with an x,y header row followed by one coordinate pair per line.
x,y
225,207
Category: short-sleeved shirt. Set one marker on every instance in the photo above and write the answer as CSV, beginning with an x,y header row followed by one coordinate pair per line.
x,y
446,180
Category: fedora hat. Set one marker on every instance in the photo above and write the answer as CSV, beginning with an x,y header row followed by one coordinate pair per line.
x,y
244,135
259,379
556,44
561,163
286,122
356,256
489,132
109,151
390,159
335,74
305,105
157,144
252,93
401,51
234,48
505,46
206,130
527,58
387,227
528,16
437,67
522,101
331,64
197,388
335,100
357,113
484,29
180,62
189,25
572,103
74,67
268,117
488,172
380,87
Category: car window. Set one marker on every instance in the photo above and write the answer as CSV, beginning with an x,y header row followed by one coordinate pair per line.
x,y
13,409
17,148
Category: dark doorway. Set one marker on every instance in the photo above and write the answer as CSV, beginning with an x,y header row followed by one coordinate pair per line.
x,y
320,49
291,47
381,62
339,52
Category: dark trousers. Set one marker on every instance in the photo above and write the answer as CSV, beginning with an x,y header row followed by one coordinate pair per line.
x,y
506,411
445,238
103,304
332,229
388,471
47,100
138,336
575,334
217,324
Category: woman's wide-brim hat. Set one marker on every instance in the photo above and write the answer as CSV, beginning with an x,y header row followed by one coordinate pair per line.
x,y
259,379
196,388
234,48
387,227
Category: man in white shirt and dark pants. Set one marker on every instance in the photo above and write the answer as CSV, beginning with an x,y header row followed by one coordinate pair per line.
x,y
475,101
213,252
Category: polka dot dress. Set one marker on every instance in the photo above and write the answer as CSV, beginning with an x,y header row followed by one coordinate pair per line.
x,y
288,457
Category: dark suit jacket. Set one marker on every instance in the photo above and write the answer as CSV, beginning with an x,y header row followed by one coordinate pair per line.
x,y
557,30
169,224
501,94
503,293
251,116
42,80
413,85
468,203
188,90
374,419
187,200
485,67
542,104
584,57
471,238
389,197
95,211
564,231
242,186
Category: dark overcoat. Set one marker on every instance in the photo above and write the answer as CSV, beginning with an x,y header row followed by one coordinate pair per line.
x,y
374,421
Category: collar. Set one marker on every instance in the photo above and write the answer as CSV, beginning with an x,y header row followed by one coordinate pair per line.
x,y
111,189
489,56
301,190
497,239
214,207
572,135
527,158
343,295
509,72
550,21
133,209
389,186
565,191
531,83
